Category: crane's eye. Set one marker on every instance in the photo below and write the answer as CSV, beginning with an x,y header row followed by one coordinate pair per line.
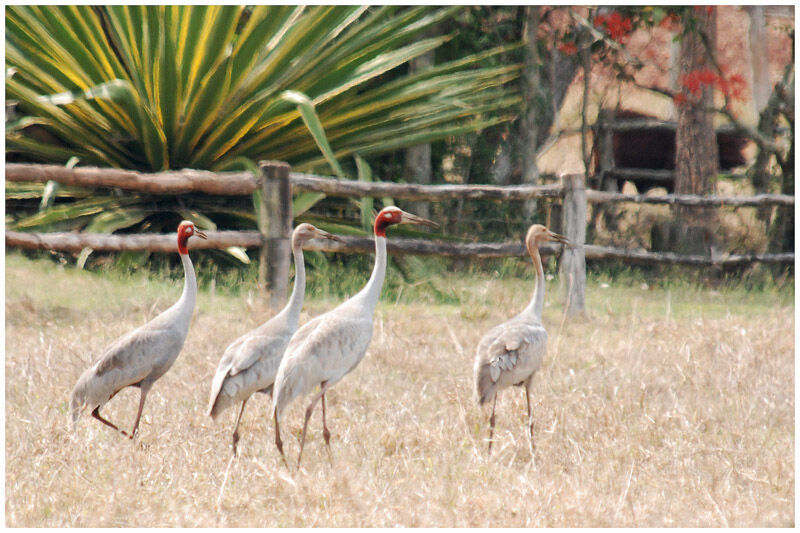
x,y
388,215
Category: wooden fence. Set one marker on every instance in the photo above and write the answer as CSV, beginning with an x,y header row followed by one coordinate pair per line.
x,y
278,183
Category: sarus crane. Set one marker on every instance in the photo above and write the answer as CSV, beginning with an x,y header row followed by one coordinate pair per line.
x,y
512,352
331,345
249,363
140,357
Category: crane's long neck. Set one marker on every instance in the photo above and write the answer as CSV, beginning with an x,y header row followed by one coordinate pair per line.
x,y
187,300
372,291
534,309
295,304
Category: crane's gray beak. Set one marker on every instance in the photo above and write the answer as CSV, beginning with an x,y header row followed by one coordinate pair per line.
x,y
556,237
325,235
200,234
408,218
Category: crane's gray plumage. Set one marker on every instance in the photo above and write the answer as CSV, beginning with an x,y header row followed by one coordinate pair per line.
x,y
509,354
140,357
512,352
324,349
250,363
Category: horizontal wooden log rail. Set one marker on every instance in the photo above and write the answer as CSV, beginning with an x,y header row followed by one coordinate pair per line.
x,y
643,257
759,200
171,182
152,242
408,191
243,183
166,243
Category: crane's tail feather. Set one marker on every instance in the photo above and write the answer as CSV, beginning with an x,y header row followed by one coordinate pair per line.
x,y
213,408
288,386
218,403
485,386
76,405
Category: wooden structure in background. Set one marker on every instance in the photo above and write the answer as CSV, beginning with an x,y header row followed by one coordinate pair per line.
x,y
277,184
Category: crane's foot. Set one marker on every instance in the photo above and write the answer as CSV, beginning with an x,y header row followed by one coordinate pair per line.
x,y
279,445
96,415
327,436
235,442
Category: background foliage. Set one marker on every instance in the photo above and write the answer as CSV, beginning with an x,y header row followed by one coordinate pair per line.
x,y
218,87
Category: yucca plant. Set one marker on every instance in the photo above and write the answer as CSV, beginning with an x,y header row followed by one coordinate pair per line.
x,y
207,87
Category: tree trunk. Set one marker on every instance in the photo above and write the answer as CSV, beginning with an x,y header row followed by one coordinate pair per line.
x,y
759,56
781,234
696,150
545,80
535,114
417,167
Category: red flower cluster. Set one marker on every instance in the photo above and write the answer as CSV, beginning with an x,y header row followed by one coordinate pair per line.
x,y
697,80
708,9
568,49
671,22
694,82
616,25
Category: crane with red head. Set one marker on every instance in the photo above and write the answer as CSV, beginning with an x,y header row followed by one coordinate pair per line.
x,y
331,345
142,356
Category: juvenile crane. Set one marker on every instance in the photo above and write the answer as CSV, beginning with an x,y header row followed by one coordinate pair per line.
x,y
511,353
326,348
249,363
145,354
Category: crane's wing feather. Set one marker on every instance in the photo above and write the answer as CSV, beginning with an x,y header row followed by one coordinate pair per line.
x,y
512,347
257,348
250,360
141,348
324,349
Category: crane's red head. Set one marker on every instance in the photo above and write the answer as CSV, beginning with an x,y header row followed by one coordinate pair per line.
x,y
394,215
185,230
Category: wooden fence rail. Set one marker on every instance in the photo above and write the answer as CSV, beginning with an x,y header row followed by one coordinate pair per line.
x,y
759,200
277,183
172,182
408,191
165,242
242,183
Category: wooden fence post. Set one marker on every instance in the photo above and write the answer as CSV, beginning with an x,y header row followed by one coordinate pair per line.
x,y
573,259
275,222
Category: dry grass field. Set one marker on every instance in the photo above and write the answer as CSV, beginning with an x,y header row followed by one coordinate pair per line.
x,y
665,407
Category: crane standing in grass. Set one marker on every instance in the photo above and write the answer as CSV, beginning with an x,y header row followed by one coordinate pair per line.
x,y
511,353
249,363
142,356
325,349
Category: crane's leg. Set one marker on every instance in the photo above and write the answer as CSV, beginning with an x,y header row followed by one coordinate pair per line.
x,y
310,409
144,389
236,427
491,424
96,414
325,433
530,412
278,441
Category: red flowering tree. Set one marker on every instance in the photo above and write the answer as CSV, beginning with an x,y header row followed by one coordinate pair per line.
x,y
705,87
